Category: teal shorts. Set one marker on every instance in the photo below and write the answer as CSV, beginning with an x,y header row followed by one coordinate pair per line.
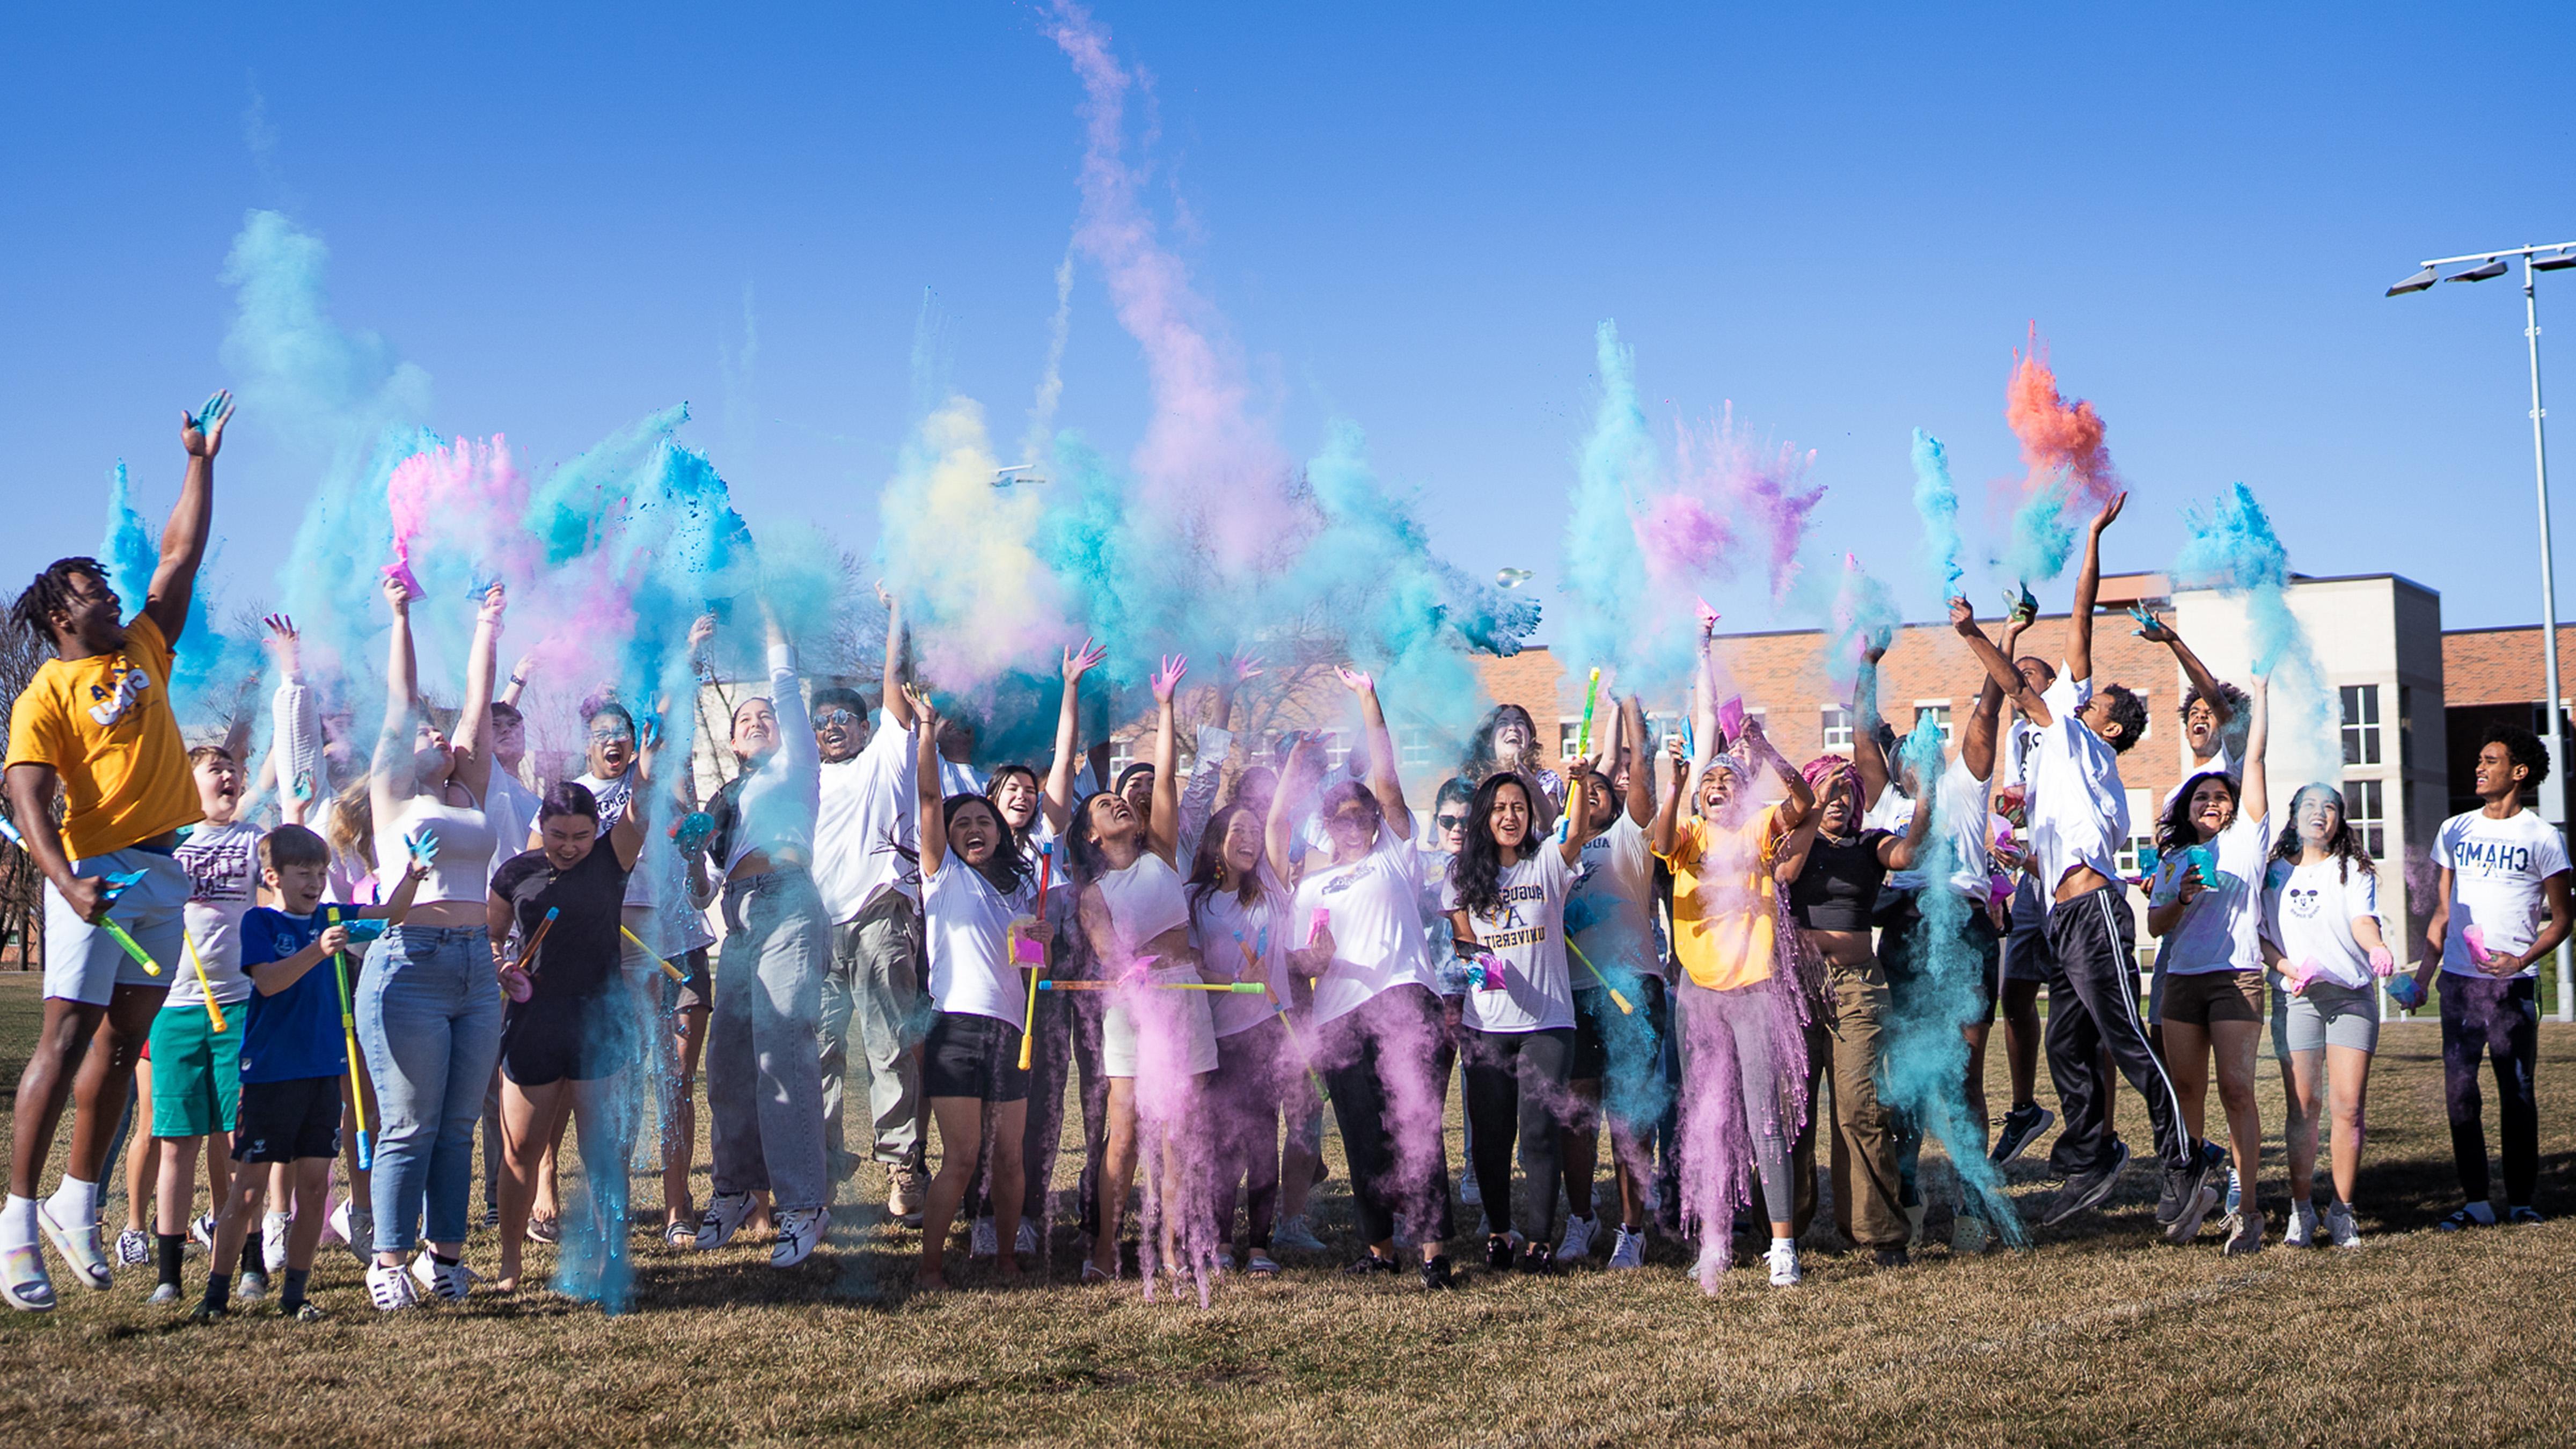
x,y
196,1070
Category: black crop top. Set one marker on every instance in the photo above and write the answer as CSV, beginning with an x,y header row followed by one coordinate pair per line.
x,y
1838,888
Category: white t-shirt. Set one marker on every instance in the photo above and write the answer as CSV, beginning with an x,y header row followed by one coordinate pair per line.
x,y
2497,868
1248,942
1376,906
1614,903
1964,816
966,930
2220,929
866,837
2014,751
222,862
2079,814
511,810
2308,911
1528,932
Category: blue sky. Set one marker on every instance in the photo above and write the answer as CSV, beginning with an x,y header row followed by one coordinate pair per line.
x,y
1412,217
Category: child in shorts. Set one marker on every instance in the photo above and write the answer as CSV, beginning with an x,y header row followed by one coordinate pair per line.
x,y
293,1054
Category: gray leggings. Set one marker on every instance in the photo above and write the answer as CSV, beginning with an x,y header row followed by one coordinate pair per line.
x,y
1714,1027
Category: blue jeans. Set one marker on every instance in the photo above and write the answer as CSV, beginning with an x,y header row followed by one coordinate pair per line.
x,y
764,1062
429,1021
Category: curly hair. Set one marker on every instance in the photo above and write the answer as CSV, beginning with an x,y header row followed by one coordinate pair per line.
x,y
2175,831
2524,746
1479,870
2344,844
2227,699
2129,712
1481,760
51,593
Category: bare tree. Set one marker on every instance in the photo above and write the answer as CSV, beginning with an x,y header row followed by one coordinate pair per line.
x,y
22,916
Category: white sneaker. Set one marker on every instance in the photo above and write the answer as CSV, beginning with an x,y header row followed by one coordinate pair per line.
x,y
253,1287
1628,1250
800,1231
2244,1231
80,1248
723,1218
1576,1245
163,1295
202,1231
983,1242
133,1247
2302,1231
903,1201
2341,1228
449,1281
1027,1241
272,1239
1293,1234
390,1288
1785,1272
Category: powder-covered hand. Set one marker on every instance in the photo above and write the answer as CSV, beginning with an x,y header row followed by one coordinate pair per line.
x,y
202,432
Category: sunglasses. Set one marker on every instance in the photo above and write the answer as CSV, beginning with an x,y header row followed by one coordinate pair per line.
x,y
835,717
610,734
1450,822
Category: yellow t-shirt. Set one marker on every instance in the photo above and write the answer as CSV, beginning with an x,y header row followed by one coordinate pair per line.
x,y
104,724
1724,899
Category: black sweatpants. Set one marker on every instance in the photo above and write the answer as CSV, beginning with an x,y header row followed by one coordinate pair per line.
x,y
2499,1020
2092,1004
1378,1063
1516,1083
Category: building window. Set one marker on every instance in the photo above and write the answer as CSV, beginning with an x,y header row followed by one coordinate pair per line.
x,y
1940,715
2142,824
2365,809
2406,726
1417,753
2361,725
1838,728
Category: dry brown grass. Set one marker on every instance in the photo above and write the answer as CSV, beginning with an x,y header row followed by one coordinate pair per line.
x,y
2097,1336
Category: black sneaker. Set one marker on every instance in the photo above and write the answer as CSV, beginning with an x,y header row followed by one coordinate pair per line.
x,y
2021,1127
1498,1253
1537,1258
1891,1258
2196,1189
2086,1190
1370,1266
1436,1275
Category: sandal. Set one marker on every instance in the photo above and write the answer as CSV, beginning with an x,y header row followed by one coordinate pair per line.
x,y
1091,1273
23,1280
544,1230
680,1233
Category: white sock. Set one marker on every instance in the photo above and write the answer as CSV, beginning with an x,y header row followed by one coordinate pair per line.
x,y
74,1204
279,1218
1789,1243
18,1223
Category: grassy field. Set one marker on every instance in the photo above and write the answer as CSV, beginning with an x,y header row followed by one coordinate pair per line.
x,y
2098,1335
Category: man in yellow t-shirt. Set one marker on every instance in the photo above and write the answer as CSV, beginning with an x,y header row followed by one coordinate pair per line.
x,y
95,724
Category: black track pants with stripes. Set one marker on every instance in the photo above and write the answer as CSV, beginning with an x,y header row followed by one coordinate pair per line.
x,y
2093,1003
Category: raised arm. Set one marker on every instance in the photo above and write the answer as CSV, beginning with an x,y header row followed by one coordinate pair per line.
x,y
2157,631
626,832
295,728
518,684
1802,796
1869,761
393,780
2088,586
1977,745
1383,781
933,815
796,749
1666,827
1296,783
2256,803
473,742
1057,798
898,710
1901,852
183,538
1641,771
1999,670
1163,831
1578,813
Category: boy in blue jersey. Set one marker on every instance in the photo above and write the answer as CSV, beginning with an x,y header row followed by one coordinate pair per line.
x,y
293,1053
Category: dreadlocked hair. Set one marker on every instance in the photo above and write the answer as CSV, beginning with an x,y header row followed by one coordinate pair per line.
x,y
51,594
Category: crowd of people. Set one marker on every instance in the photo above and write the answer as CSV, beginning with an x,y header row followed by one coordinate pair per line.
x,y
327,972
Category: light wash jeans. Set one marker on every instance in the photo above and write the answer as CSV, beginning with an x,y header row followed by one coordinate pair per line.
x,y
874,983
764,1064
429,1021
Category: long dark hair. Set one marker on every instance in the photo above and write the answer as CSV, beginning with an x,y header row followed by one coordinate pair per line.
x,y
2175,831
1207,868
1082,841
1008,868
2344,845
1479,868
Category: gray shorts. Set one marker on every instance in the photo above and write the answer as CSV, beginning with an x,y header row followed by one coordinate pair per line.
x,y
2323,1015
84,963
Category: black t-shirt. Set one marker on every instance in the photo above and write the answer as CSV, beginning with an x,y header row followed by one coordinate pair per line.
x,y
1839,886
579,956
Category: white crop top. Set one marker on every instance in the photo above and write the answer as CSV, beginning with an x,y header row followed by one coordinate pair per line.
x,y
463,870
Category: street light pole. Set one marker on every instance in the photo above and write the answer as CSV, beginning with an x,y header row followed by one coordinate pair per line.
x,y
2490,265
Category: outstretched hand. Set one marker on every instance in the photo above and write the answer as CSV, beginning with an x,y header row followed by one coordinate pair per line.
x,y
282,641
924,712
2151,628
2110,512
495,599
202,432
1168,677
702,629
1079,662
1244,666
1358,681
